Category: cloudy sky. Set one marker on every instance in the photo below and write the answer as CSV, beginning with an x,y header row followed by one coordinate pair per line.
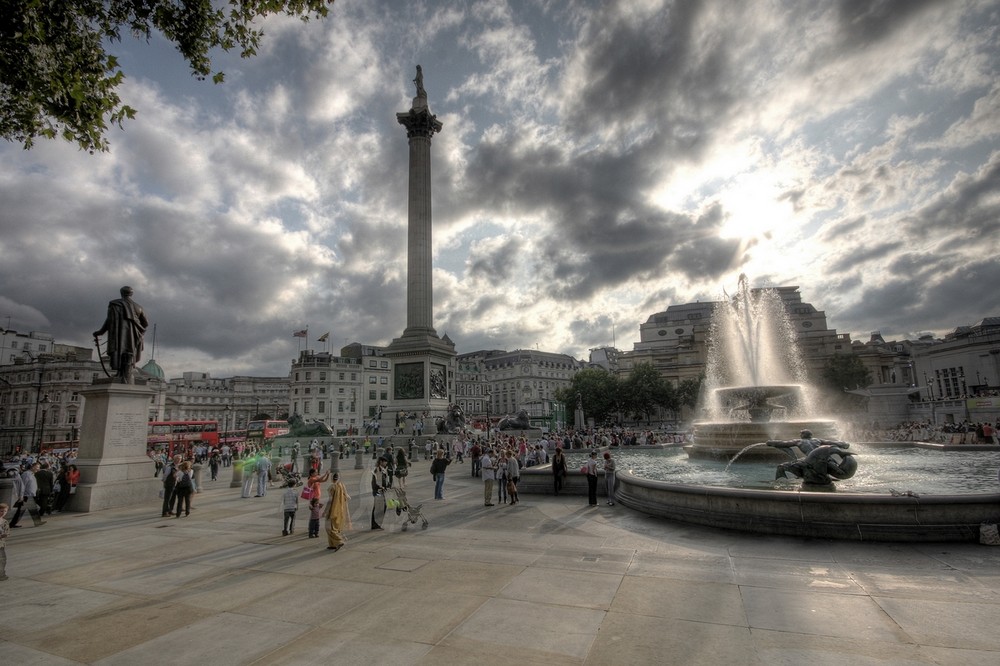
x,y
599,162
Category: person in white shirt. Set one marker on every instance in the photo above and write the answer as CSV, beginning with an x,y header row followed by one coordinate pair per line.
x,y
489,475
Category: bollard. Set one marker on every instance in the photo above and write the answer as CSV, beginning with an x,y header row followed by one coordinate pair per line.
x,y
359,459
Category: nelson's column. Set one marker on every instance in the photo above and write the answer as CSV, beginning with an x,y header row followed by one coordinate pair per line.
x,y
422,363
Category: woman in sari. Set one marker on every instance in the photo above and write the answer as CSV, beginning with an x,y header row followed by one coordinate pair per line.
x,y
338,517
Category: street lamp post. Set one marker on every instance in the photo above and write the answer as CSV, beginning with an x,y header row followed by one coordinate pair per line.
x,y
489,424
44,403
225,432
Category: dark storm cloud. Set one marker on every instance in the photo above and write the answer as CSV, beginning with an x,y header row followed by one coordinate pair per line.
x,y
843,229
863,254
602,234
591,332
862,23
969,206
496,262
666,67
940,299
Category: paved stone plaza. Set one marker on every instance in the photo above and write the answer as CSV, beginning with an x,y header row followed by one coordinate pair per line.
x,y
548,581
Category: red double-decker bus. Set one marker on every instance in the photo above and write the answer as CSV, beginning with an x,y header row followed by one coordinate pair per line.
x,y
180,437
260,431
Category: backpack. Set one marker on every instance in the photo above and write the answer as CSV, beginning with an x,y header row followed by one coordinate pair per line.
x,y
185,483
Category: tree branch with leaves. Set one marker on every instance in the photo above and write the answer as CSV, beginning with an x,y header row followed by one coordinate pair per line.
x,y
58,80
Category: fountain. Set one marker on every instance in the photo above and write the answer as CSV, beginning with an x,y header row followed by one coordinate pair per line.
x,y
756,403
755,388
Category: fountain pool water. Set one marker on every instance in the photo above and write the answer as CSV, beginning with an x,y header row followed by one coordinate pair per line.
x,y
880,470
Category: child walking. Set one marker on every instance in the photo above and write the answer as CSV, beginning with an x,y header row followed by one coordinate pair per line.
x,y
315,513
289,505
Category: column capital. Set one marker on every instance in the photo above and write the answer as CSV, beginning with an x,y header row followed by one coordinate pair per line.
x,y
419,123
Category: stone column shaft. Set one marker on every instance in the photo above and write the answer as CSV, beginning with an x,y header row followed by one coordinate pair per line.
x,y
420,126
420,283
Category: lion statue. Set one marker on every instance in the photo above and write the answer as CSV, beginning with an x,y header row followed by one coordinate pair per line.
x,y
299,427
452,422
517,422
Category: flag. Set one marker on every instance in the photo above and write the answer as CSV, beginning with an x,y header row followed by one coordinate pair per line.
x,y
301,334
323,337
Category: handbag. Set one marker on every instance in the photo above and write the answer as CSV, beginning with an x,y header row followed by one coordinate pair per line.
x,y
307,493
583,470
72,490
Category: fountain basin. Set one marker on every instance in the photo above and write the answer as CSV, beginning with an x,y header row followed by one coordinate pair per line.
x,y
723,440
855,516
937,515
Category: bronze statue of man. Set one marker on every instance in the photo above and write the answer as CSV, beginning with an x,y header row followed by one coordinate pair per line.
x,y
125,325
420,83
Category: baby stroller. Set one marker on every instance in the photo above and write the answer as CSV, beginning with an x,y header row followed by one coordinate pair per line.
x,y
287,476
413,513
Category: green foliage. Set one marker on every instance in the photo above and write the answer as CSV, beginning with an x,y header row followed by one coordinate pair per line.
x,y
645,390
688,392
599,391
845,371
56,79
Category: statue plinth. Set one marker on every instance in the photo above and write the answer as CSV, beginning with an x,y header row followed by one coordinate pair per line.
x,y
114,468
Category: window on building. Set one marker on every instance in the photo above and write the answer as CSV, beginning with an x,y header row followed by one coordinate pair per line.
x,y
322,376
340,405
321,407
371,395
373,379
384,395
372,363
74,397
384,365
384,380
305,406
308,390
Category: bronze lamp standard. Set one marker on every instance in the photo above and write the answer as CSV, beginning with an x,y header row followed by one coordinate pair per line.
x,y
44,403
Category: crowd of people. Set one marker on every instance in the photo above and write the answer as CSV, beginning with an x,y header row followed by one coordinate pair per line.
x,y
966,432
42,485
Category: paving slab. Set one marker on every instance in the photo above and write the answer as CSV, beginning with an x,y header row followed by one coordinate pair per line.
x,y
547,581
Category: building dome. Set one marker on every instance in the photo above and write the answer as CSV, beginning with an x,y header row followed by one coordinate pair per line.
x,y
153,368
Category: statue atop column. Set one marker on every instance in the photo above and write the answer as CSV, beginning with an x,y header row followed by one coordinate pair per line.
x,y
125,325
421,93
